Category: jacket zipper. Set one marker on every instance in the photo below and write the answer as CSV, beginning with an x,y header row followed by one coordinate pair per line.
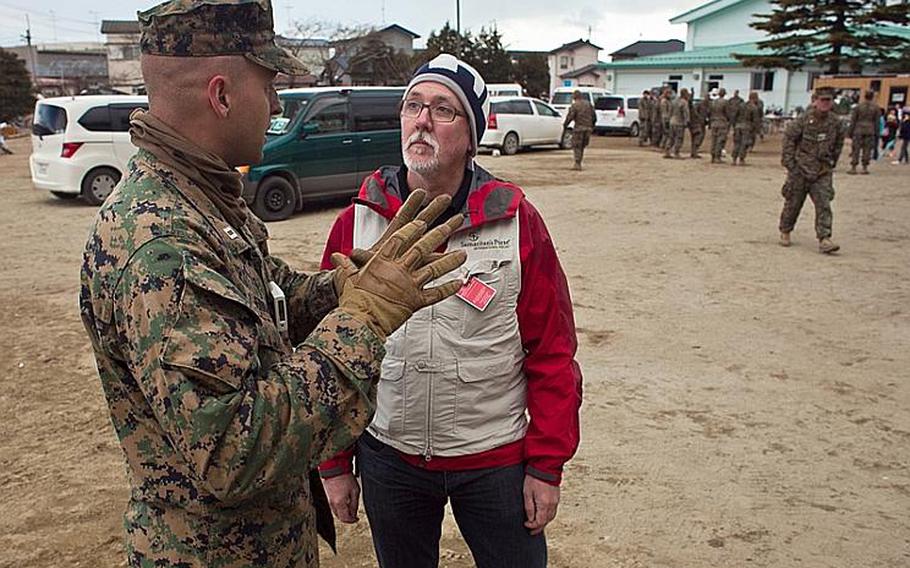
x,y
428,451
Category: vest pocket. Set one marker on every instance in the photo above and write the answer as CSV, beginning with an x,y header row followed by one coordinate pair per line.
x,y
390,398
495,274
483,394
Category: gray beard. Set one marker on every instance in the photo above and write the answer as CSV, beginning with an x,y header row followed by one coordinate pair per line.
x,y
421,167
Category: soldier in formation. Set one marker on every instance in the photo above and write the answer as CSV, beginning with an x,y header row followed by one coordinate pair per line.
x,y
582,113
698,119
645,117
863,124
663,111
229,376
679,120
718,117
746,125
812,146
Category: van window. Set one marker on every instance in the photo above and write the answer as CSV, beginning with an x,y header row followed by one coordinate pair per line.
x,y
632,103
564,98
96,119
331,115
49,119
544,110
290,109
608,103
376,113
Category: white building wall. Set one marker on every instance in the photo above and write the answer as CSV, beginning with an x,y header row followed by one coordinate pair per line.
x,y
579,57
727,27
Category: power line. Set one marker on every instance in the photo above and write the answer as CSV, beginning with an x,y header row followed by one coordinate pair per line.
x,y
33,13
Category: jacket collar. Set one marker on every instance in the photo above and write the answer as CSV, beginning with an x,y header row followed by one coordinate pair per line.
x,y
489,199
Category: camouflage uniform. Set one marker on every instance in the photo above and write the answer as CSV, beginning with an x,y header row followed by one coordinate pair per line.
x,y
746,124
663,118
222,412
698,117
679,120
719,126
864,121
645,117
812,147
585,118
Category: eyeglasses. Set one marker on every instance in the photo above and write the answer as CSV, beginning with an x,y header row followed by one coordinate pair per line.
x,y
438,112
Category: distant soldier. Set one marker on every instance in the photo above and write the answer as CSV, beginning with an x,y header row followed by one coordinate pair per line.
x,y
863,122
761,111
585,118
717,117
698,117
745,126
664,111
812,146
679,120
657,125
645,112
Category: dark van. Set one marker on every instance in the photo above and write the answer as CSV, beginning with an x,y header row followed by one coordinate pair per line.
x,y
326,140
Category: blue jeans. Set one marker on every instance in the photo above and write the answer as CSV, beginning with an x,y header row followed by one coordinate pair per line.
x,y
405,506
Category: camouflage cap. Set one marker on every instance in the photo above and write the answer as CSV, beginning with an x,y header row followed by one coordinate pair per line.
x,y
824,92
205,28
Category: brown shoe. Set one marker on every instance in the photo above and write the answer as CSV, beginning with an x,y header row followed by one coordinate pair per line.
x,y
784,239
852,170
865,171
825,246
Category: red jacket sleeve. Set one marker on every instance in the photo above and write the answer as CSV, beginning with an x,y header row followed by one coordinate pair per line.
x,y
341,239
547,326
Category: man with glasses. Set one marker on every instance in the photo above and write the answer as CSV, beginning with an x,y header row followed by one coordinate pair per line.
x,y
459,382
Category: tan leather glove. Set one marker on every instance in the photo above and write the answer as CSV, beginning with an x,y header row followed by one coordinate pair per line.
x,y
406,213
390,286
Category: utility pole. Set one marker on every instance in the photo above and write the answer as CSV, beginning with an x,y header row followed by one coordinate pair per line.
x,y
31,54
458,25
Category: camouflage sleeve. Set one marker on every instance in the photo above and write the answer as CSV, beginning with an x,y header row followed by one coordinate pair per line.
x,y
854,116
839,142
570,116
241,414
791,139
310,296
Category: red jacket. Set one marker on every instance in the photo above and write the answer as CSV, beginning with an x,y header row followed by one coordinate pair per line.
x,y
547,327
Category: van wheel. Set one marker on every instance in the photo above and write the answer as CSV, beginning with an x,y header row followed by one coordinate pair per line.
x,y
510,144
65,196
566,141
275,199
98,184
633,132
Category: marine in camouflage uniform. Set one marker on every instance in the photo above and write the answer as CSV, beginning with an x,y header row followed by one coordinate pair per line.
x,y
698,119
582,113
745,126
812,146
664,109
223,401
863,123
719,126
679,120
645,117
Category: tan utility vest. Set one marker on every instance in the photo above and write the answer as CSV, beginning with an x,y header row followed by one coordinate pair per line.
x,y
452,382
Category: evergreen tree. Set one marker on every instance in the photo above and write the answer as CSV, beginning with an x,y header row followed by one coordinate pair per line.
x,y
16,94
448,40
493,62
532,72
837,34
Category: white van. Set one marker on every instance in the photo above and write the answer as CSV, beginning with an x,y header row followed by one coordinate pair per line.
x,y
504,89
562,96
81,145
617,113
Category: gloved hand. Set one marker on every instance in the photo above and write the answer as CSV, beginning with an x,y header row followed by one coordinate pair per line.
x,y
390,286
406,213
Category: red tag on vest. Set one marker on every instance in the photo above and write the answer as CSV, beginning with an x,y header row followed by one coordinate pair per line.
x,y
476,293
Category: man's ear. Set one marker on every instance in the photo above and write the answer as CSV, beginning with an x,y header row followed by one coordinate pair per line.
x,y
217,94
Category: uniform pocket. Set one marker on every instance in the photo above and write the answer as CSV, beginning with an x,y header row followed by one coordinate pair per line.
x,y
390,398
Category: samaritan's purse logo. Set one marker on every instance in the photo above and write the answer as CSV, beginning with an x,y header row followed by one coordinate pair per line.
x,y
474,242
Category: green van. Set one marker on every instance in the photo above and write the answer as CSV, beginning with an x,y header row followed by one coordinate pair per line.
x,y
325,141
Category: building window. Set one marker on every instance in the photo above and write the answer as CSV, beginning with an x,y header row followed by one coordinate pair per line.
x,y
813,75
876,85
563,61
763,81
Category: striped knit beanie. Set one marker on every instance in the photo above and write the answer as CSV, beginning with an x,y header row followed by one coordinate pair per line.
x,y
465,82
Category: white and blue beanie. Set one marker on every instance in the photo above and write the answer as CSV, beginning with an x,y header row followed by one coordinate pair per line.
x,y
465,82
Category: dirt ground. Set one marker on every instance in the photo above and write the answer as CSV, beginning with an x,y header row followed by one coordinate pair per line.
x,y
745,405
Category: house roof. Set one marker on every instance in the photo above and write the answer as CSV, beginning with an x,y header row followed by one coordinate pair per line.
x,y
572,45
648,48
717,56
704,10
120,27
593,68
399,29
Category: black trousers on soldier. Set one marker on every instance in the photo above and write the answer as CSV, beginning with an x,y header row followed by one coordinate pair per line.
x,y
820,190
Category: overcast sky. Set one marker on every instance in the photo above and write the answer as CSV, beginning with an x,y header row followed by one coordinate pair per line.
x,y
525,24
